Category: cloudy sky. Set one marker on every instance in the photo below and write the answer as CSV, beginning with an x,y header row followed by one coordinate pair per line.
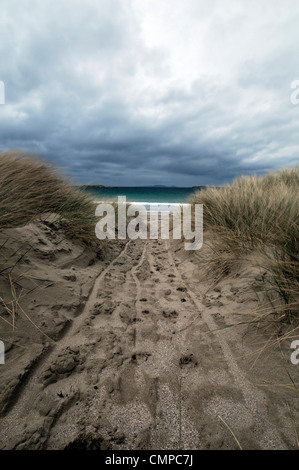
x,y
140,92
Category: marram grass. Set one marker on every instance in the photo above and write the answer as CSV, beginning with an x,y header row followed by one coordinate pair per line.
x,y
256,216
30,187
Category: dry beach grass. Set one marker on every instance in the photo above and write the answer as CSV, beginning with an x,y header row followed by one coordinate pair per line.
x,y
129,344
256,219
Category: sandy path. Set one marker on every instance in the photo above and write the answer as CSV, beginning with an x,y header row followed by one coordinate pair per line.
x,y
141,368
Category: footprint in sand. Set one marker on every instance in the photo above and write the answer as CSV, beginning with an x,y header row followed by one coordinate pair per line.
x,y
188,360
170,314
182,289
140,357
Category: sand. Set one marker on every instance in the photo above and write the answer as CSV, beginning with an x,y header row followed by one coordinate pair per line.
x,y
129,352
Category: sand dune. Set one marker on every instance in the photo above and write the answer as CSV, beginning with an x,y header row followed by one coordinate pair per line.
x,y
129,352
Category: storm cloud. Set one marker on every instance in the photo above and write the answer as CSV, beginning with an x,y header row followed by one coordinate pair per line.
x,y
140,92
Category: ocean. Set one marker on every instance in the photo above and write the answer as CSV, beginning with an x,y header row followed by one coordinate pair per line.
x,y
142,194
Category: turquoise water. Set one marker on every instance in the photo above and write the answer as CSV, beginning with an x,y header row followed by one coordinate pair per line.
x,y
142,194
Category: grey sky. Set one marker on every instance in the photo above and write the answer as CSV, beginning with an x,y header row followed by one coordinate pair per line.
x,y
139,92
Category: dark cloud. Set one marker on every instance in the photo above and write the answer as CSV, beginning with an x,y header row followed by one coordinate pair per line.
x,y
129,93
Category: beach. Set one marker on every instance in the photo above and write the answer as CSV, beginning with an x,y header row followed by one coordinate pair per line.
x,y
125,348
149,228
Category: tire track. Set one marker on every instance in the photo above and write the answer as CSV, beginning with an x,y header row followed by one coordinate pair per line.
x,y
253,397
134,273
32,387
155,365
171,427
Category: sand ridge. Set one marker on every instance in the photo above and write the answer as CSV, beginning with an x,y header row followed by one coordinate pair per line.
x,y
143,365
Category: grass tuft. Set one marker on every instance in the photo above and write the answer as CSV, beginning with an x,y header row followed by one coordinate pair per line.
x,y
30,187
256,218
